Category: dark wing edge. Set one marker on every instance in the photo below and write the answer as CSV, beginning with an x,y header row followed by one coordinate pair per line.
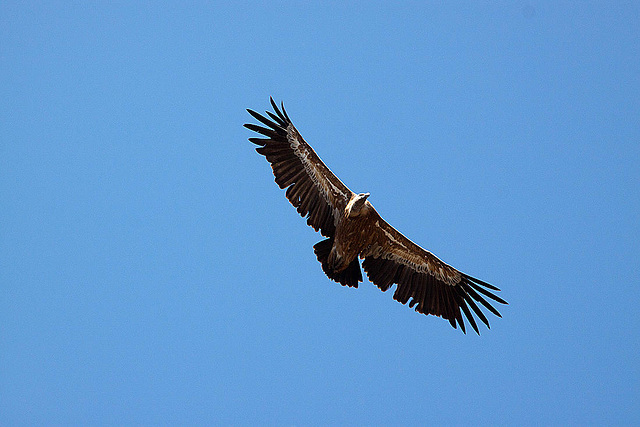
x,y
432,286
311,187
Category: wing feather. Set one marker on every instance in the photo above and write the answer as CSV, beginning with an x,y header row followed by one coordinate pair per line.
x,y
433,286
462,297
277,119
311,187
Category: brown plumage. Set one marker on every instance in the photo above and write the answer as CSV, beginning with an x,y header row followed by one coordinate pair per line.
x,y
355,230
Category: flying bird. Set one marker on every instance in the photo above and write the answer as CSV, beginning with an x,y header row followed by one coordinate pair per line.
x,y
354,230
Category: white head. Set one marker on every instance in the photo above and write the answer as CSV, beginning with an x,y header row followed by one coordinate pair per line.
x,y
356,204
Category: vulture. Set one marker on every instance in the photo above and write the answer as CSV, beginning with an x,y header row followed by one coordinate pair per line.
x,y
355,231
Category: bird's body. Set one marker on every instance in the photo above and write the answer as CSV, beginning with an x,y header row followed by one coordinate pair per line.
x,y
352,234
355,230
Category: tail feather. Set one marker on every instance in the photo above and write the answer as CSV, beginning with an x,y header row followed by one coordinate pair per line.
x,y
350,276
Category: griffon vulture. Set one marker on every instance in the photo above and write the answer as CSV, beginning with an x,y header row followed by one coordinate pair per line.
x,y
355,230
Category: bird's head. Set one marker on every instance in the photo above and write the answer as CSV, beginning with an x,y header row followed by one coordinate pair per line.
x,y
356,204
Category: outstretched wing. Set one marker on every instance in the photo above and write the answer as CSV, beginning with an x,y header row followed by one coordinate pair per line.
x,y
433,286
312,188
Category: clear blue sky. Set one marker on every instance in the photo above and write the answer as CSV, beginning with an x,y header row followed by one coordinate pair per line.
x,y
152,272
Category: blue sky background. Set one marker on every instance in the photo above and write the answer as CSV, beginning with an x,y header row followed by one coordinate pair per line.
x,y
152,272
